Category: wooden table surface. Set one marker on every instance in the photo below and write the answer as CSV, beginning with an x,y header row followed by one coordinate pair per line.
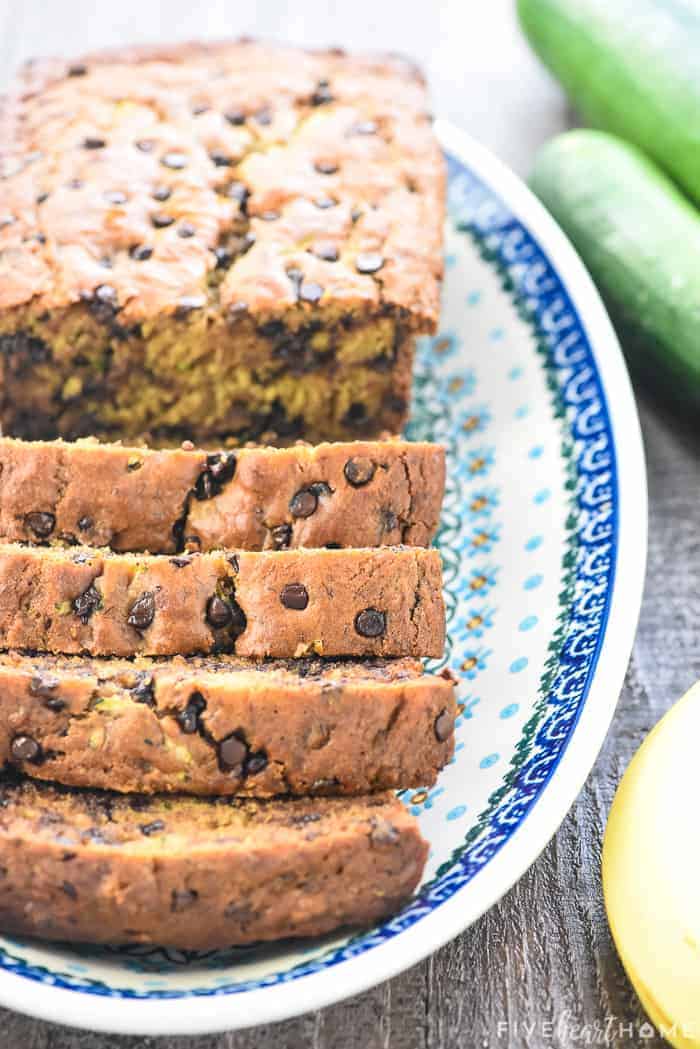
x,y
540,968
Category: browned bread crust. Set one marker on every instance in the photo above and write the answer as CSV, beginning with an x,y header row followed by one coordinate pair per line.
x,y
291,603
225,725
199,874
187,231
360,494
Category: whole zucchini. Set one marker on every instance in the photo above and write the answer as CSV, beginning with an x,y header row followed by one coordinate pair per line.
x,y
631,67
640,239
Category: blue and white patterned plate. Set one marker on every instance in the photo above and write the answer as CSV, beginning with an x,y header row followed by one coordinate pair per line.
x,y
543,541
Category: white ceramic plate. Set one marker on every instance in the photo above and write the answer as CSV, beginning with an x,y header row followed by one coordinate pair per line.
x,y
543,541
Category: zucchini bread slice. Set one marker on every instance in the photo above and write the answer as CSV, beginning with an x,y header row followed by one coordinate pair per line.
x,y
213,240
198,873
225,725
131,498
291,603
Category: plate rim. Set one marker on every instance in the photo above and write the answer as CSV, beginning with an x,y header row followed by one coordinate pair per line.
x,y
192,1015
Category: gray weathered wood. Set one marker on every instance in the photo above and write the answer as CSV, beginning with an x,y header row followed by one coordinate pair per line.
x,y
544,954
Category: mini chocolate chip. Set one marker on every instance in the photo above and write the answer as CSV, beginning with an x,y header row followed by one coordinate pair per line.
x,y
43,685
152,828
219,612
322,95
370,623
256,763
24,748
186,229
188,718
142,611
303,503
77,69
359,471
220,160
236,117
141,252
444,725
309,291
188,303
325,202
86,603
41,523
115,196
281,536
142,692
263,116
181,562
39,237
174,160
327,251
162,193
369,262
232,753
70,889
237,191
325,167
294,595
93,142
223,257
181,899
160,220
42,197
146,145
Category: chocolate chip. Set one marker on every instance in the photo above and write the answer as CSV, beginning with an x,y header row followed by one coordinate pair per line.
x,y
325,167
141,252
93,142
369,262
269,216
152,828
41,523
234,562
232,753
223,257
43,685
303,503
86,603
322,95
103,303
383,832
160,220
188,718
77,69
356,414
444,725
294,595
142,611
222,466
174,160
24,748
325,202
220,160
236,117
219,613
356,214
388,519
134,464
186,229
75,183
162,193
309,291
143,692
327,251
281,536
256,763
263,116
370,623
237,191
146,145
70,889
42,197
181,899
115,196
359,471
7,220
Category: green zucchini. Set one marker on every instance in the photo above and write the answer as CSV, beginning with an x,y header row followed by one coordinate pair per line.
x,y
631,67
640,239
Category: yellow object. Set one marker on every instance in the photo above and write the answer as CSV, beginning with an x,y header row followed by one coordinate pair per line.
x,y
651,873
